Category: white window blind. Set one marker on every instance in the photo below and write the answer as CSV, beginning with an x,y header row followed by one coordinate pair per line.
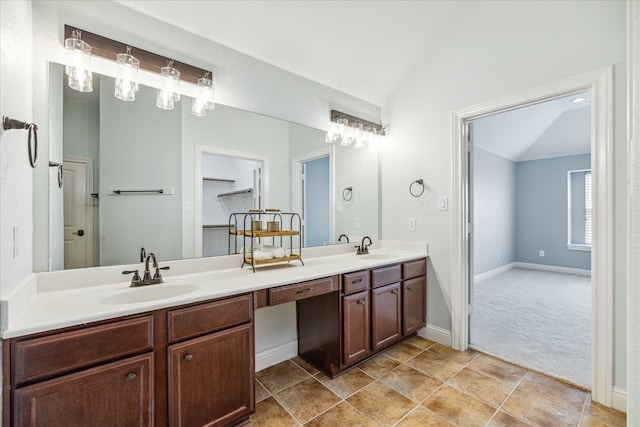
x,y
587,208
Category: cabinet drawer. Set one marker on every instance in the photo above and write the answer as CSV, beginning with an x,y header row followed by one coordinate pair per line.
x,y
64,352
201,319
385,275
414,269
355,282
303,290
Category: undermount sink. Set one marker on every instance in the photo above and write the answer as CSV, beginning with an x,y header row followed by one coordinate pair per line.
x,y
146,293
381,255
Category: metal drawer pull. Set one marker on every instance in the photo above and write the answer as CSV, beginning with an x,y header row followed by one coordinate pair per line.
x,y
409,288
359,280
301,291
131,377
394,291
188,357
361,301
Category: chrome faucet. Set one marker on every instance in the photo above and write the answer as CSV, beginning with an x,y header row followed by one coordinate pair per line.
x,y
146,278
363,249
143,254
341,236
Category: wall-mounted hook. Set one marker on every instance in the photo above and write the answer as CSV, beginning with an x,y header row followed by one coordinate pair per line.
x,y
8,123
60,171
416,188
347,193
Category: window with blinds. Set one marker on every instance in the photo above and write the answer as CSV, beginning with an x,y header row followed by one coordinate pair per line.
x,y
579,202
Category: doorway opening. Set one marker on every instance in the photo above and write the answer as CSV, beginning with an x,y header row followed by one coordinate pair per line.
x,y
600,83
313,196
530,260
226,182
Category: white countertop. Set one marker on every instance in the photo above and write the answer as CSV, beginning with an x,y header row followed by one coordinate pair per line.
x,y
70,298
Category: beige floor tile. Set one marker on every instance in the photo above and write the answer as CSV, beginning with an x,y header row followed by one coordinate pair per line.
x,y
595,413
341,415
269,413
261,392
346,384
307,399
420,342
459,408
422,417
554,390
379,365
382,404
497,368
403,351
434,365
312,370
505,420
281,376
462,357
537,410
411,383
480,386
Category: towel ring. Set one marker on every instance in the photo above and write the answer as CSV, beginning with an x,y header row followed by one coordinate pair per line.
x,y
32,128
416,192
60,171
347,193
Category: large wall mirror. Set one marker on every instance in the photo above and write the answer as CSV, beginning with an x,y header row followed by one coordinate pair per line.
x,y
136,176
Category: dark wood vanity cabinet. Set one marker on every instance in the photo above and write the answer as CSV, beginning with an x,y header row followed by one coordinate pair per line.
x,y
211,378
116,394
183,366
386,316
356,325
372,310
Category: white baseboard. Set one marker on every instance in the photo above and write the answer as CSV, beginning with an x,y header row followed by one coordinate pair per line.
x,y
437,334
502,269
273,356
553,268
619,399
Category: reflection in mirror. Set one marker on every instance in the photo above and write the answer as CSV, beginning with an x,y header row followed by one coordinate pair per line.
x,y
139,177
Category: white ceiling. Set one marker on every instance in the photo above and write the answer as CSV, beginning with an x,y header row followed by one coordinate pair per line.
x,y
363,48
549,129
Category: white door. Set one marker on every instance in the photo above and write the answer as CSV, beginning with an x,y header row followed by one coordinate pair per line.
x,y
77,241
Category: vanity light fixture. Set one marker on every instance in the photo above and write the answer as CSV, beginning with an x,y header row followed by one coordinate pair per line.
x,y
78,68
127,81
78,62
169,91
205,99
578,100
349,130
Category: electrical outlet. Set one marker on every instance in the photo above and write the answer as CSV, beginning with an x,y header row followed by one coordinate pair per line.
x,y
541,252
356,222
411,224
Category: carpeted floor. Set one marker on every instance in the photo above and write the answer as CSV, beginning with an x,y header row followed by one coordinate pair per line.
x,y
537,319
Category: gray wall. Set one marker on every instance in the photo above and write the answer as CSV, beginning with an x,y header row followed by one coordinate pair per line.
x,y
542,212
494,187
138,148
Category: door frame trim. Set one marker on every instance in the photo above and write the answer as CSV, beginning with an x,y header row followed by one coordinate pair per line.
x,y
201,150
600,82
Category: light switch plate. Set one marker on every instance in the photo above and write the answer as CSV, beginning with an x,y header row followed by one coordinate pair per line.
x,y
443,203
411,224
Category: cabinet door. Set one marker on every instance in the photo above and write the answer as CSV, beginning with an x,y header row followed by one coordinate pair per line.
x,y
414,304
211,378
386,315
116,394
356,324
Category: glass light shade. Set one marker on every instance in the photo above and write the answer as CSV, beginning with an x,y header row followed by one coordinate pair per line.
x,y
127,81
343,131
78,64
169,88
205,99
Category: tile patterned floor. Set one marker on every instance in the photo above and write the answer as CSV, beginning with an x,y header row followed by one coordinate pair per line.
x,y
421,383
